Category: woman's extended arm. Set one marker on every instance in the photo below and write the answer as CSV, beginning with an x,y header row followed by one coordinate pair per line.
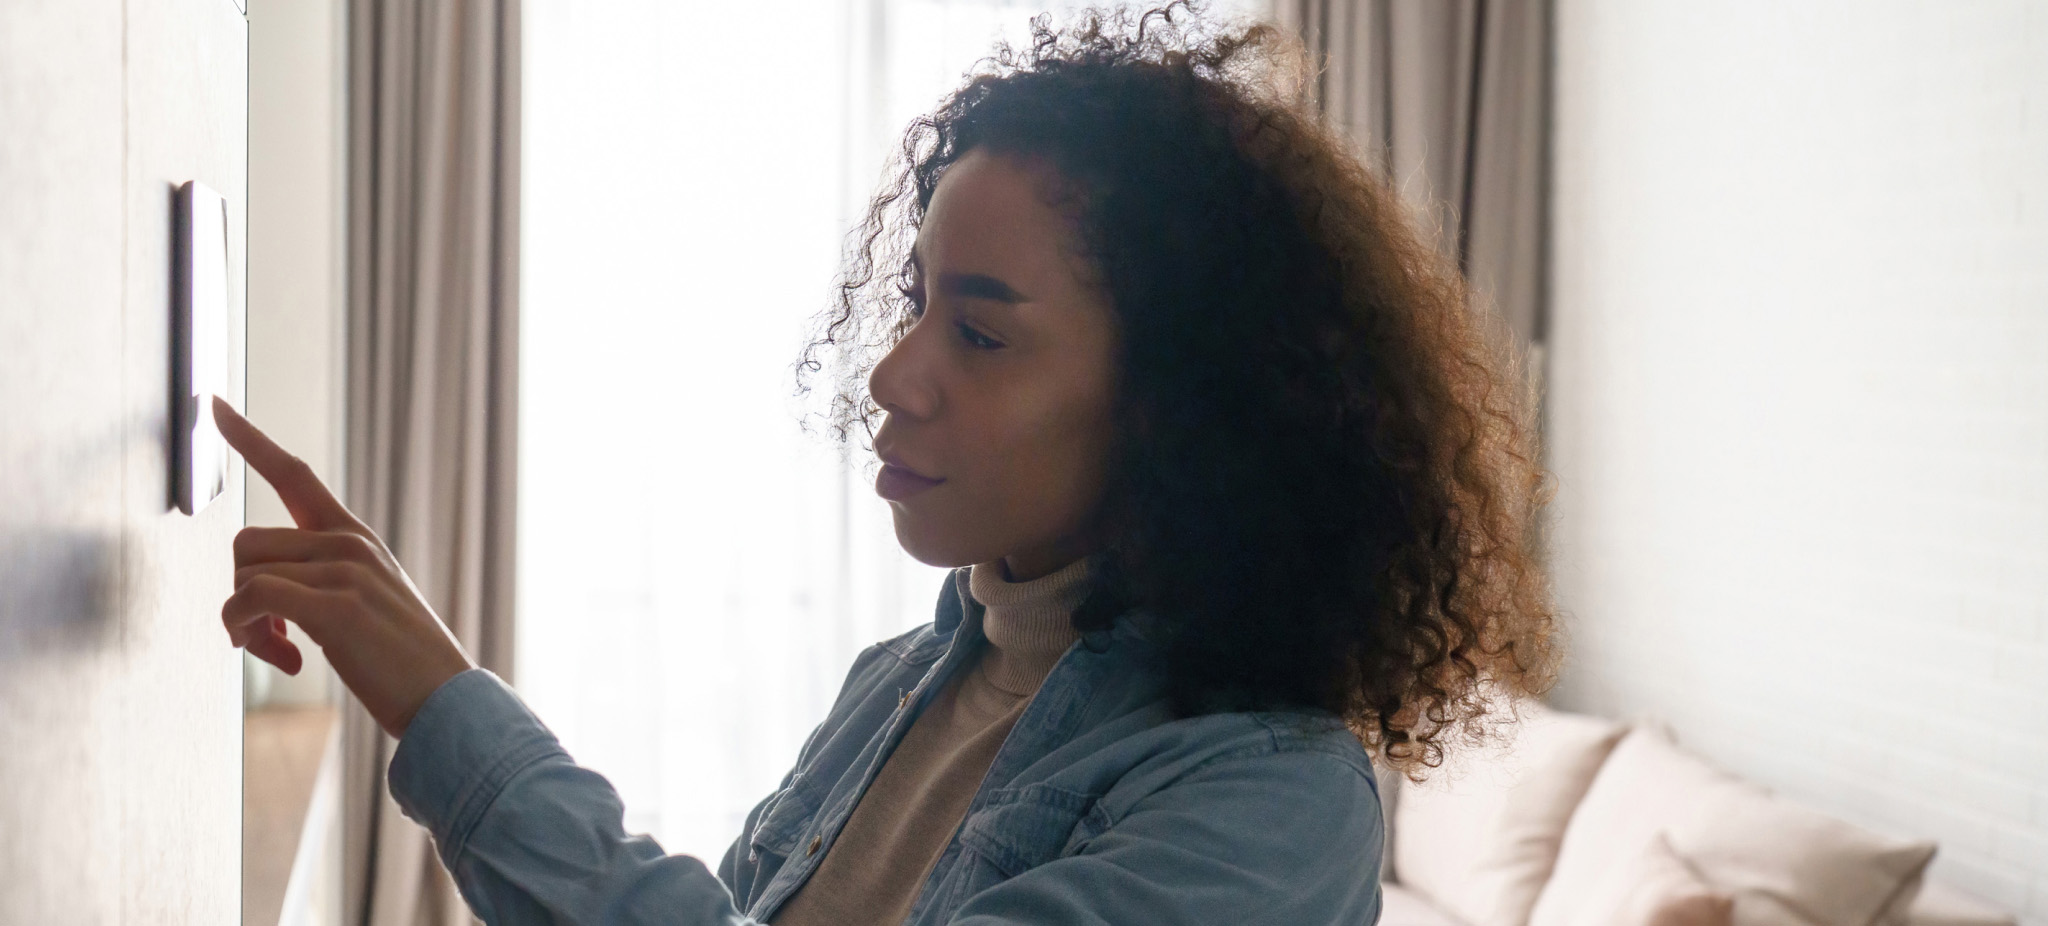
x,y
530,836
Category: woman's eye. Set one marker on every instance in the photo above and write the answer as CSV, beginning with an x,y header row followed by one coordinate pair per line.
x,y
976,339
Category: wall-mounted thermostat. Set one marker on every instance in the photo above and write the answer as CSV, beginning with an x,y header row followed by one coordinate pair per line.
x,y
199,347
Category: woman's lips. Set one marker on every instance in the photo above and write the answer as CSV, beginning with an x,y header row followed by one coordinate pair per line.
x,y
896,483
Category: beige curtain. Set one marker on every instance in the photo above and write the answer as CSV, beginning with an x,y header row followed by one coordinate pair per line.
x,y
1452,96
432,380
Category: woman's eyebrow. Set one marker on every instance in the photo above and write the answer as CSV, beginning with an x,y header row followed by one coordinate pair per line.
x,y
970,285
979,286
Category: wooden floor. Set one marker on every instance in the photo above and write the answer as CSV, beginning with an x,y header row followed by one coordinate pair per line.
x,y
282,748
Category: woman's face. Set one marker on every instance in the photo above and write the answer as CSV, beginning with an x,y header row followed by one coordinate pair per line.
x,y
998,398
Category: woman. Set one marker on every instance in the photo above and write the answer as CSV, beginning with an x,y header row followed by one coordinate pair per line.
x,y
1239,490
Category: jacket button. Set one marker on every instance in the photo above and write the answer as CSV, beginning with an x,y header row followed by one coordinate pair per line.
x,y
813,850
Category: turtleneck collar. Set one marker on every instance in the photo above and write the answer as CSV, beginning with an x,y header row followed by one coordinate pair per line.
x,y
1028,624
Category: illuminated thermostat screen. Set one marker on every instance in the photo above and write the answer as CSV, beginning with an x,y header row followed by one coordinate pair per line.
x,y
199,348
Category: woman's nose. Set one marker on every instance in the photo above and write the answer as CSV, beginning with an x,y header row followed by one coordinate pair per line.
x,y
901,382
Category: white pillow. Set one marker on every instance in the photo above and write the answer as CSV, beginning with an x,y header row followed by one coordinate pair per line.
x,y
1783,863
1480,835
1659,888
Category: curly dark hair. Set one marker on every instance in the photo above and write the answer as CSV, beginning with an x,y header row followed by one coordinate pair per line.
x,y
1326,486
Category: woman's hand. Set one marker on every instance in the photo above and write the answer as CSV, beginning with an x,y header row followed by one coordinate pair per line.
x,y
334,578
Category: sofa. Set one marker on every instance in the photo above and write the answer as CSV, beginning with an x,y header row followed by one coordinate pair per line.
x,y
1571,820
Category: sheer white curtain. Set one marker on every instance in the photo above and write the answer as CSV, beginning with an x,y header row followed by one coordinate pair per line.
x,y
695,573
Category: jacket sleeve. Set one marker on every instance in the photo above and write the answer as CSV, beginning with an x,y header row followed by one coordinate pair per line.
x,y
530,836
1292,837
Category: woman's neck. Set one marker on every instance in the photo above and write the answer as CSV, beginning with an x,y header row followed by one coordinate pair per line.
x,y
1028,624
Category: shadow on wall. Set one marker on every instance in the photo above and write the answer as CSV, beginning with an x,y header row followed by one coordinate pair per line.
x,y
58,590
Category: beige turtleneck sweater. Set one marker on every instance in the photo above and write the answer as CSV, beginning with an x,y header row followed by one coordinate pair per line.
x,y
903,822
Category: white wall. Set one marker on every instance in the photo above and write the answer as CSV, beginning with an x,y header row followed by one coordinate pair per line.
x,y
1799,403
120,721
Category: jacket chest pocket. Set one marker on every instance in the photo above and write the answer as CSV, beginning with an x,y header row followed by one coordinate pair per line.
x,y
1022,828
785,819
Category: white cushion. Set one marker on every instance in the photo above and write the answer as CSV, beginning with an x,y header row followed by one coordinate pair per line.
x,y
1480,835
1785,864
1658,888
1402,907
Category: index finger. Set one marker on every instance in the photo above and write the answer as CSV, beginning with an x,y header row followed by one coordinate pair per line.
x,y
311,505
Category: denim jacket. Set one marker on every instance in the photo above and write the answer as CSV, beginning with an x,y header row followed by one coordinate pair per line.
x,y
1097,809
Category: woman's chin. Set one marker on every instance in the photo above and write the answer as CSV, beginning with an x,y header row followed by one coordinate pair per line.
x,y
932,547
